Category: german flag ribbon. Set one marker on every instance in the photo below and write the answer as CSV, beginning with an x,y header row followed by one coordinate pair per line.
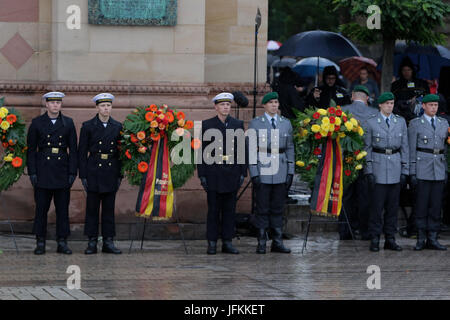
x,y
326,198
155,198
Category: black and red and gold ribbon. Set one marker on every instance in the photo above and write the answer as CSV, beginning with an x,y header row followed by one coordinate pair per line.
x,y
155,198
326,198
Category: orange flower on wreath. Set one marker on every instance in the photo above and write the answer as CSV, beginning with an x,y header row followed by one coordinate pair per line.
x,y
154,124
181,115
11,118
155,136
196,144
17,162
170,117
11,142
133,138
153,107
189,125
127,154
142,167
161,126
141,135
149,116
142,149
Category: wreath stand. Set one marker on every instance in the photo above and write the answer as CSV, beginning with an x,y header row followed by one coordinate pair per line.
x,y
12,235
145,224
330,222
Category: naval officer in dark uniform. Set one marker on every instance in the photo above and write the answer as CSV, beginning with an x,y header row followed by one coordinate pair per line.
x,y
52,167
100,172
221,173
428,169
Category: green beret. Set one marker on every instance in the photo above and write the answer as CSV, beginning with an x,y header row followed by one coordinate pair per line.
x,y
385,97
361,88
430,98
269,96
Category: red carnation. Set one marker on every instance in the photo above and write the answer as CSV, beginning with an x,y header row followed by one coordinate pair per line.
x,y
344,118
318,136
332,120
308,167
357,152
337,128
347,172
316,115
317,151
339,112
331,110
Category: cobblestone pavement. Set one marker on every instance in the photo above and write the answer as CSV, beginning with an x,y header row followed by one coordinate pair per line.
x,y
329,269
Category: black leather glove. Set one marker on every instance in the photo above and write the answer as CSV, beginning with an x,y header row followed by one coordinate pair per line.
x,y
71,180
413,180
119,182
403,180
33,179
204,183
289,179
256,181
371,180
85,184
241,180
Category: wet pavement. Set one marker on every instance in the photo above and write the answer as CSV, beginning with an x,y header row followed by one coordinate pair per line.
x,y
329,269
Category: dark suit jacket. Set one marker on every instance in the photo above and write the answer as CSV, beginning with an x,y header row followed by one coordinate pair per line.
x,y
102,174
52,169
222,178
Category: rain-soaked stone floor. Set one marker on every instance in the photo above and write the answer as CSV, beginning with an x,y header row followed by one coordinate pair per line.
x,y
328,269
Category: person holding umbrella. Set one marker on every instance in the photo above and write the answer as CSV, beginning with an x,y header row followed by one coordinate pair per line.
x,y
330,90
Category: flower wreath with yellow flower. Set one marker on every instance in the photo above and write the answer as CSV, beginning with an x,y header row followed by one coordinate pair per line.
x,y
13,149
142,130
313,127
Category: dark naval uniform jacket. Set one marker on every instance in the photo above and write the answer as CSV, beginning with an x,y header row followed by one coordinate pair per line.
x,y
223,176
99,155
52,151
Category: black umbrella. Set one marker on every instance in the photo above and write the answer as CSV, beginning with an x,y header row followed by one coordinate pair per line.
x,y
414,48
318,43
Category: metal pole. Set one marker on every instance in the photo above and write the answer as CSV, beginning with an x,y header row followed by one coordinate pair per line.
x,y
255,70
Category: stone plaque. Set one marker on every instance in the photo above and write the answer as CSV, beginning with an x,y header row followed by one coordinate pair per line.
x,y
133,12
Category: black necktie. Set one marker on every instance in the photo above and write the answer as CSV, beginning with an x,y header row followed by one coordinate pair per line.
x,y
273,123
387,122
432,124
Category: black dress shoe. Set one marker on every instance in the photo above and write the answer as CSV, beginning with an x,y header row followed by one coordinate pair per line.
x,y
433,243
261,247
277,242
40,246
108,246
390,244
92,246
227,247
62,246
374,244
211,247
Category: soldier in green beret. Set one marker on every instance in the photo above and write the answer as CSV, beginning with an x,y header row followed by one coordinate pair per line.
x,y
428,170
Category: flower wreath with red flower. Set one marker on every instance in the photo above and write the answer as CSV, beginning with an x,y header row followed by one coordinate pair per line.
x,y
13,150
142,130
312,129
